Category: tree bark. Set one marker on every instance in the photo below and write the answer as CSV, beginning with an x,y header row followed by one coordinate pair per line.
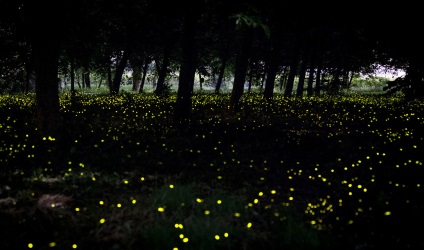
x,y
224,59
271,74
187,69
87,80
302,73
242,60
136,77
290,81
116,83
163,70
143,79
45,39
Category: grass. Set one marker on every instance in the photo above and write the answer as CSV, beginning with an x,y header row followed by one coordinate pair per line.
x,y
331,172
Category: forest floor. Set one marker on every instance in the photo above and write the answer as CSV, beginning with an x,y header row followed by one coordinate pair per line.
x,y
331,172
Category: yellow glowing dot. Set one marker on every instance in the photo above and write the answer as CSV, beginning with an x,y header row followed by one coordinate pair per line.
x,y
185,240
216,237
126,181
199,200
74,246
93,178
52,244
101,202
175,248
273,192
161,209
261,193
77,209
119,205
219,201
313,222
134,201
256,201
237,214
142,178
291,198
359,186
102,220
387,213
207,212
30,245
225,234
249,225
181,236
53,205
171,186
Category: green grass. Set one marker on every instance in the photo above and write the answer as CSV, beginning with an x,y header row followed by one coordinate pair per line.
x,y
331,172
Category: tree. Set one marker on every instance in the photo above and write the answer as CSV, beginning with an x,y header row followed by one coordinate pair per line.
x,y
188,66
45,40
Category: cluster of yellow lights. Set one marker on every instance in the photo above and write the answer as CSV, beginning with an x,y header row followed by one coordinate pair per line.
x,y
316,112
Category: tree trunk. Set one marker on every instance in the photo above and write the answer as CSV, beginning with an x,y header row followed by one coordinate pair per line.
x,y
45,38
109,79
290,80
302,73
87,77
116,84
224,60
271,74
318,80
251,70
72,78
136,77
242,61
143,79
82,78
187,69
310,89
163,70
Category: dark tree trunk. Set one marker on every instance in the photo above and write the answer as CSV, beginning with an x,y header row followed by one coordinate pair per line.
x,y
251,71
224,59
283,79
109,78
116,84
310,90
290,80
271,74
318,80
187,69
82,78
302,73
29,67
242,61
45,38
72,77
163,70
87,77
136,81
143,79
414,77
